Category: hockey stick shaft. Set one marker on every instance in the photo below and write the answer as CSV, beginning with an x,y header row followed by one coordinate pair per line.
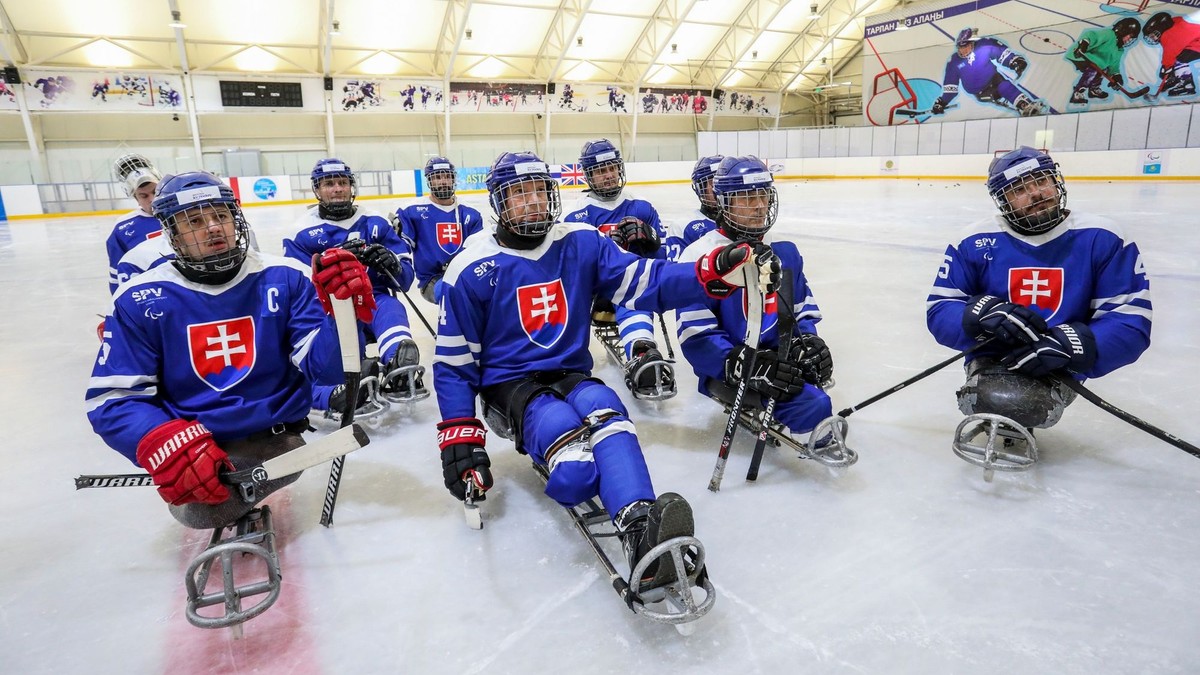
x,y
411,304
1137,93
915,378
662,321
754,303
347,329
1154,431
784,327
294,461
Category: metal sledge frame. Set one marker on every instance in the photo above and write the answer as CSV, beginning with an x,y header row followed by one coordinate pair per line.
x,y
837,454
610,337
254,536
594,523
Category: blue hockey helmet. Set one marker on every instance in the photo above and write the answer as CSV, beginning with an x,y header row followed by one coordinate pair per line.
x,y
325,169
702,177
1018,182
965,37
441,168
526,174
595,156
1155,26
747,201
204,223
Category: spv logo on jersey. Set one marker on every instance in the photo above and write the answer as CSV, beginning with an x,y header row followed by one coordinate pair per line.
x,y
222,352
543,309
1040,287
449,237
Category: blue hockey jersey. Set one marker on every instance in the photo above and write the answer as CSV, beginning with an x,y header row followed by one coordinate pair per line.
x,y
317,234
145,256
679,238
506,312
131,229
237,357
709,330
1084,270
976,70
602,215
435,233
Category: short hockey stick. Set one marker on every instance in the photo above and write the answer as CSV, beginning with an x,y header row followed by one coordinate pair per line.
x,y
911,112
915,378
1154,431
1136,93
754,305
347,329
784,327
340,442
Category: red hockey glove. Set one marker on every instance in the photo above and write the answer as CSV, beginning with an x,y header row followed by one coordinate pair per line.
x,y
461,441
100,330
720,270
184,462
337,273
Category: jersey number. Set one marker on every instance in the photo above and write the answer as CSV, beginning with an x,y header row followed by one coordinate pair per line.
x,y
944,269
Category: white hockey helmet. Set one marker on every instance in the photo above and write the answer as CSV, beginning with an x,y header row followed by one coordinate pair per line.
x,y
133,171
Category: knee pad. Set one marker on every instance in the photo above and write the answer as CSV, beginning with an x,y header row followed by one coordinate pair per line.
x,y
1028,401
573,476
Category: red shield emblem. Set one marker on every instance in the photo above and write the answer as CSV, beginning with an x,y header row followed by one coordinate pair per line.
x,y
449,237
606,228
543,309
770,310
222,352
1040,287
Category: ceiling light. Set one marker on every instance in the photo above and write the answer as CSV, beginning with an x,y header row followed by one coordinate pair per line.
x,y
754,54
468,33
579,41
337,28
176,20
674,48
812,11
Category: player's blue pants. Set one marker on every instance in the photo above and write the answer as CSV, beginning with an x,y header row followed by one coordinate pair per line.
x,y
611,465
800,413
633,326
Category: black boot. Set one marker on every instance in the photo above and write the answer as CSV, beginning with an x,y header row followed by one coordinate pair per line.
x,y
1097,93
644,525
647,374
1078,97
403,379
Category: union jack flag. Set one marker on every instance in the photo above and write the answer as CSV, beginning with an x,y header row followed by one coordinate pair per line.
x,y
571,174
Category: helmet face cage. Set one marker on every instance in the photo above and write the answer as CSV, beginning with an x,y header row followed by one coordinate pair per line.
x,y
702,180
1155,27
325,170
440,168
749,213
204,223
517,218
595,158
133,171
1036,217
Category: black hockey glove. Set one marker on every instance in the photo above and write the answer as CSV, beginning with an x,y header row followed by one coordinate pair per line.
x,y
1118,80
938,107
636,237
988,315
769,376
1069,345
811,354
1018,65
380,259
463,456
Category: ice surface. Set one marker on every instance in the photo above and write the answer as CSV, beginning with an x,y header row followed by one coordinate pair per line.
x,y
907,562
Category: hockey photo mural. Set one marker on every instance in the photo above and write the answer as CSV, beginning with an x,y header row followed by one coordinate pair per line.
x,y
1000,58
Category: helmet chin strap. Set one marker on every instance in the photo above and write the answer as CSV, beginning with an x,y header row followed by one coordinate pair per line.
x,y
521,242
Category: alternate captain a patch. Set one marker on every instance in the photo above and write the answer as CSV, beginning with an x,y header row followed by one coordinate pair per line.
x,y
543,310
222,352
1040,287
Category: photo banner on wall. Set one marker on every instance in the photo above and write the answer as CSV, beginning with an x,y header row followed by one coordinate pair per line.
x,y
8,94
497,97
365,94
747,103
1009,58
102,90
587,97
668,101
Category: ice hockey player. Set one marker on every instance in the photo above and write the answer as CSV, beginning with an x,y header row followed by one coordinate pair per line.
x,y
703,220
514,331
210,357
973,68
634,225
139,178
436,227
1098,53
712,332
1180,41
1053,291
337,221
